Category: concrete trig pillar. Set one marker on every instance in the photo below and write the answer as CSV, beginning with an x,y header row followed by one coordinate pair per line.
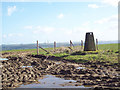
x,y
89,42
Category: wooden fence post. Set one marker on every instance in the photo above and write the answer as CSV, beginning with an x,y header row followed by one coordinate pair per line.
x,y
119,59
71,44
37,48
97,44
82,44
54,45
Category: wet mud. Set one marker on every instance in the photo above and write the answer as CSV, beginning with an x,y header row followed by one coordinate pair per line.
x,y
27,69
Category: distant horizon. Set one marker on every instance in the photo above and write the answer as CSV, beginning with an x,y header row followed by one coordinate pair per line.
x,y
59,42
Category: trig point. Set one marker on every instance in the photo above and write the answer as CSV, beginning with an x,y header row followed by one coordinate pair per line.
x,y
89,42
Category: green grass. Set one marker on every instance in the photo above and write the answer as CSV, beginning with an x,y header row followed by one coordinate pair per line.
x,y
112,58
61,54
108,46
17,50
106,52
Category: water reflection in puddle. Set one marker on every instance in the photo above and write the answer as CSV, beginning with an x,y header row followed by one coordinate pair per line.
x,y
51,81
26,66
57,62
2,59
80,68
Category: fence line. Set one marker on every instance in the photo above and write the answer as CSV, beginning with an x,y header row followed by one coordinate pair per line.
x,y
70,47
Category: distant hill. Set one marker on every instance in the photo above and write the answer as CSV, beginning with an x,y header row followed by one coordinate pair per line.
x,y
45,45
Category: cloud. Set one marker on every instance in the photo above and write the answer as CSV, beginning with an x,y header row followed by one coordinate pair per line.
x,y
113,3
93,6
39,29
60,16
50,3
105,3
111,19
11,9
22,9
4,36
86,23
19,34
77,30
12,35
28,27
78,33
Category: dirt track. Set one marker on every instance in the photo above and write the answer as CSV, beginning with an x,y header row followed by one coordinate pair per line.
x,y
96,74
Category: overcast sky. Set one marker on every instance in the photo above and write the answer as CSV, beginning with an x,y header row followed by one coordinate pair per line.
x,y
26,22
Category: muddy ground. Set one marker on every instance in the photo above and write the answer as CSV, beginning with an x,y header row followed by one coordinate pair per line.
x,y
94,74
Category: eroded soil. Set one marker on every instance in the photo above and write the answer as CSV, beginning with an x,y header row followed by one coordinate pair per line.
x,y
96,74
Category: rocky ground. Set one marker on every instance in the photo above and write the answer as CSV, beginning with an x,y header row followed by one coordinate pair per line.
x,y
96,74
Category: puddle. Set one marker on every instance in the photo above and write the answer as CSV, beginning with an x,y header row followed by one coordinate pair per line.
x,y
51,81
2,59
80,68
57,62
76,65
1,66
118,75
26,66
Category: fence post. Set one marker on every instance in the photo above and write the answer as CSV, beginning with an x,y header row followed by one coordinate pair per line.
x,y
119,59
37,48
82,44
70,43
54,45
97,44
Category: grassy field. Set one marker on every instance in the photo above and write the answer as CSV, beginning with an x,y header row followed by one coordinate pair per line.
x,y
108,46
106,52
